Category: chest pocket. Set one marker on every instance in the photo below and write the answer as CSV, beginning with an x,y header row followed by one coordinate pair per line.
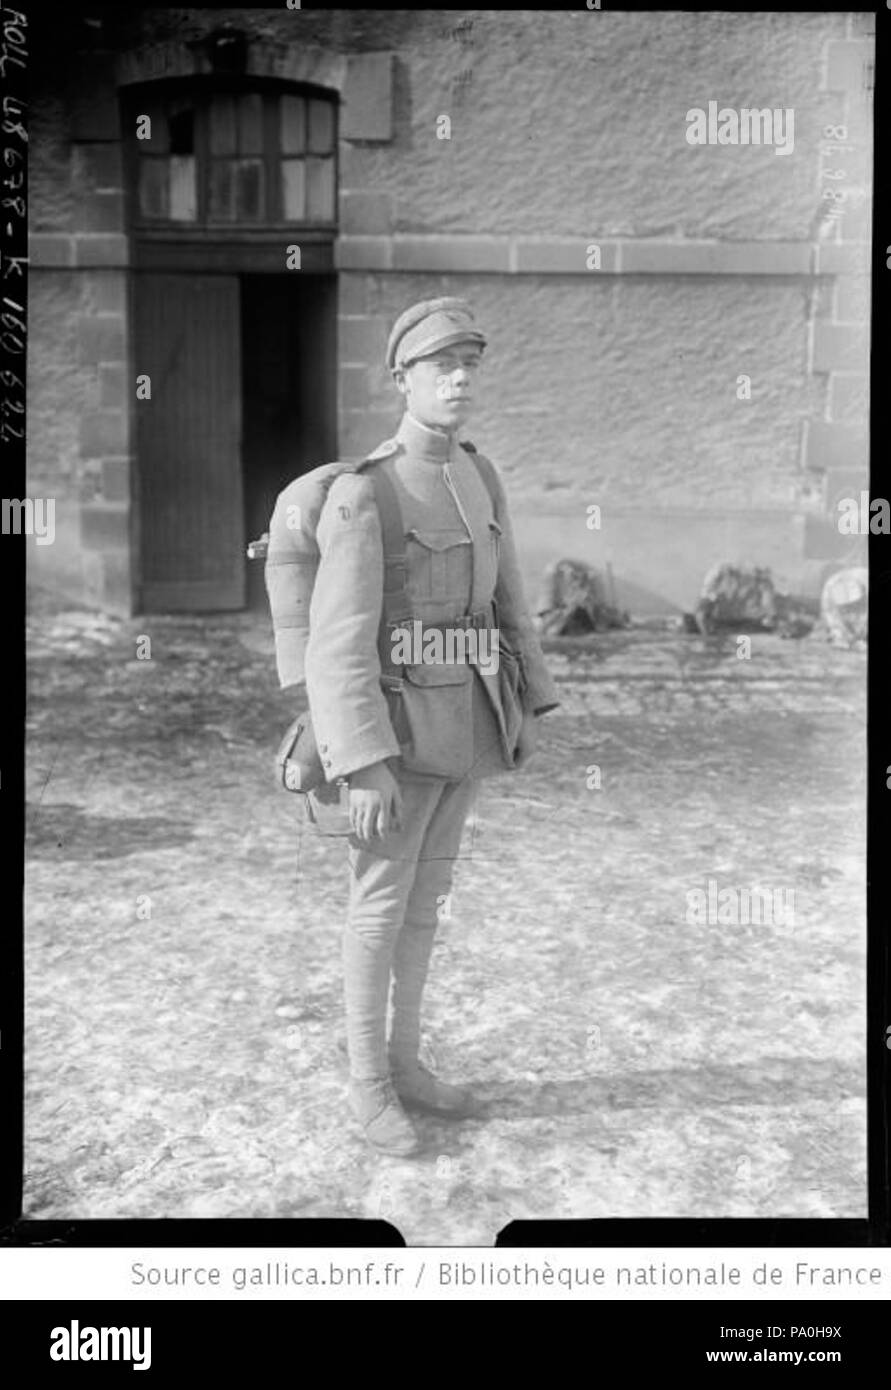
x,y
440,564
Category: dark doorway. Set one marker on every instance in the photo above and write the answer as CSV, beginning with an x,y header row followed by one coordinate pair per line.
x,y
243,399
188,430
289,400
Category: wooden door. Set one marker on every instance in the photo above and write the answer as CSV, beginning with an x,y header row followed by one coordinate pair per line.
x,y
188,440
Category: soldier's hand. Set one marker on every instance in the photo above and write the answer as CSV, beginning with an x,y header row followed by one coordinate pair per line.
x,y
527,740
375,802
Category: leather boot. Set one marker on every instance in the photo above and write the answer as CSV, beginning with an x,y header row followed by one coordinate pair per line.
x,y
376,1106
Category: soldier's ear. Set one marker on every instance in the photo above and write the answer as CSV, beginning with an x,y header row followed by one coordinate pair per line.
x,y
399,378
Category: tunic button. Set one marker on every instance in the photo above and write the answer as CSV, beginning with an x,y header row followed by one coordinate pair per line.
x,y
327,762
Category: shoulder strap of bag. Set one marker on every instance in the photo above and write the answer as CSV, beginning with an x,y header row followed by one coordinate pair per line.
x,y
396,602
486,472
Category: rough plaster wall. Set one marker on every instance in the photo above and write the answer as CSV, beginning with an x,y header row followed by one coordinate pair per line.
x,y
574,124
624,390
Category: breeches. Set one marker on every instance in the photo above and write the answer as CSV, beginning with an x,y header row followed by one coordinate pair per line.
x,y
404,878
396,889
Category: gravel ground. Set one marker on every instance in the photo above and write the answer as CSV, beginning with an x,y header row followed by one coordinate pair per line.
x,y
184,1048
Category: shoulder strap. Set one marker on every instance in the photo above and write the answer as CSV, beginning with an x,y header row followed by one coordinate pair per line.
x,y
393,536
396,603
486,472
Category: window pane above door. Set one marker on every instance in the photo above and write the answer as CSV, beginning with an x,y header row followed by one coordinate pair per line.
x,y
183,194
293,125
222,125
220,205
294,189
239,157
159,140
153,187
320,190
182,131
321,127
249,201
250,123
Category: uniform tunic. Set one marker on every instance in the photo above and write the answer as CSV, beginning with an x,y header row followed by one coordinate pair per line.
x,y
459,557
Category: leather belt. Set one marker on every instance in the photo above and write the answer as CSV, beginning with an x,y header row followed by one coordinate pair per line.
x,y
478,621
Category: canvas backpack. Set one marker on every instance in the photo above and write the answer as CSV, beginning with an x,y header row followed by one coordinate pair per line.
x,y
292,553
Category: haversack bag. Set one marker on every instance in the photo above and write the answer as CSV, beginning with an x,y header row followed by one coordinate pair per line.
x,y
431,710
299,769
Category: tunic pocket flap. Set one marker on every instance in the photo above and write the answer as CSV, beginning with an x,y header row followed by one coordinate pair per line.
x,y
438,540
439,673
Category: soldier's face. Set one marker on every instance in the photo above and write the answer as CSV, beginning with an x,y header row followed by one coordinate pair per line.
x,y
440,389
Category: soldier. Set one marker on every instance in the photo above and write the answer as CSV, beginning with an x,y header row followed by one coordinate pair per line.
x,y
413,748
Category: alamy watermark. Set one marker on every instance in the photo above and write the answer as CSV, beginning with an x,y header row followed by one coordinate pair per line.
x,y
76,1343
37,514
445,646
747,126
734,907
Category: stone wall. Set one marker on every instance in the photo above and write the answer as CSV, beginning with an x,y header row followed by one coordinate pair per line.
x,y
615,385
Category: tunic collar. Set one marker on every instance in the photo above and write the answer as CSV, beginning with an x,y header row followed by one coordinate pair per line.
x,y
425,445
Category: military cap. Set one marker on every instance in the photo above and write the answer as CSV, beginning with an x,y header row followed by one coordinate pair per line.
x,y
432,324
